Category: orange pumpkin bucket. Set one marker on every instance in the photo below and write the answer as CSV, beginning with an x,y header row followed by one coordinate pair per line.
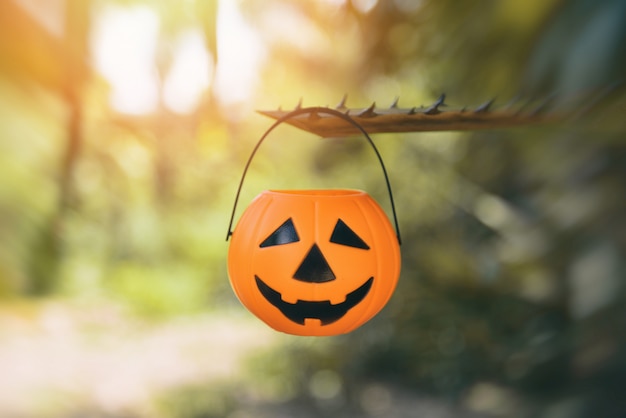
x,y
314,262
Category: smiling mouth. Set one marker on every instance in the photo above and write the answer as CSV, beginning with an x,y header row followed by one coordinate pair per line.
x,y
325,311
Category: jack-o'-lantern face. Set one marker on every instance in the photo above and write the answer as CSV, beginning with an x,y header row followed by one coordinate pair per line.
x,y
319,262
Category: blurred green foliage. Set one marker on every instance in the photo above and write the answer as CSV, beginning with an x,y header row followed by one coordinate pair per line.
x,y
513,255
195,401
513,267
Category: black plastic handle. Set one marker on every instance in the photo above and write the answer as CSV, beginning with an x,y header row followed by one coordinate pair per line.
x,y
311,111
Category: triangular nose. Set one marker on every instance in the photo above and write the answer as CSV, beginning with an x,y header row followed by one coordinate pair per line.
x,y
314,268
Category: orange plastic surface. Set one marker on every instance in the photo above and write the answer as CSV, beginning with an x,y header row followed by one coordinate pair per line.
x,y
314,262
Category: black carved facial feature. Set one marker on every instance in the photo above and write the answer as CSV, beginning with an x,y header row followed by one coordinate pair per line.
x,y
342,234
314,268
284,234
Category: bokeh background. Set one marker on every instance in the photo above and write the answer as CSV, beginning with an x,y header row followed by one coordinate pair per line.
x,y
124,128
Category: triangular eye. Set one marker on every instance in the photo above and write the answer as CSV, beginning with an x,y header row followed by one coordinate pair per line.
x,y
284,234
342,234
